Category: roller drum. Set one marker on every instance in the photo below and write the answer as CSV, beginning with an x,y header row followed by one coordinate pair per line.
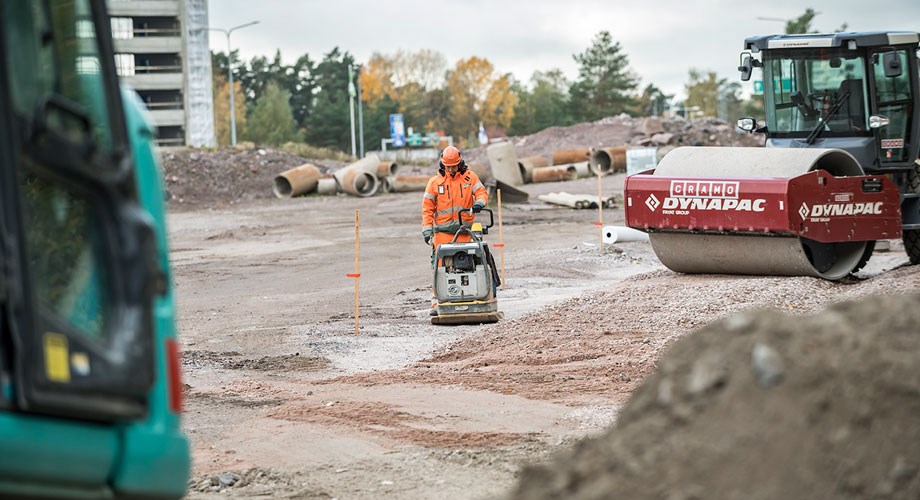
x,y
753,254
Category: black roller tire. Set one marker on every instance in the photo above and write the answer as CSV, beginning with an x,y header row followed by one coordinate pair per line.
x,y
911,237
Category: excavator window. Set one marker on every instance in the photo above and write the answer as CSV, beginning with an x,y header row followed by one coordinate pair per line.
x,y
56,55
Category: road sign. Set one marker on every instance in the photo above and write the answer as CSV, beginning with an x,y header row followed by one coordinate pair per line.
x,y
397,130
758,87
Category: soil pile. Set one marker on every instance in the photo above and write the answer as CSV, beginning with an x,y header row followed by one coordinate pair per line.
x,y
665,134
762,405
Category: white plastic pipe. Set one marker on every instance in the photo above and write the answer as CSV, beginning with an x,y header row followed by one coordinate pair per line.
x,y
621,234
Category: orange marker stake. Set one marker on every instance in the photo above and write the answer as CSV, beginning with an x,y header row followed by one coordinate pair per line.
x,y
357,274
501,239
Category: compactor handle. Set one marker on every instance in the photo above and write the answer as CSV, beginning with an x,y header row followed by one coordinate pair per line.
x,y
470,211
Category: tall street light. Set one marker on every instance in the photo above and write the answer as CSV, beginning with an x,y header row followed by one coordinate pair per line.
x,y
230,76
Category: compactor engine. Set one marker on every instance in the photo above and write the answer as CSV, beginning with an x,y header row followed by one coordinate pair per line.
x,y
839,170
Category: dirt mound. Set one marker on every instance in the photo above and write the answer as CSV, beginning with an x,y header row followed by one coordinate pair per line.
x,y
622,130
763,405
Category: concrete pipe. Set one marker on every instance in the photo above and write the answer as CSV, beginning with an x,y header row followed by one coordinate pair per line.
x,y
554,174
409,183
386,184
564,156
583,169
387,169
504,163
622,234
296,181
481,170
369,164
352,182
608,160
328,185
560,199
757,255
358,183
526,166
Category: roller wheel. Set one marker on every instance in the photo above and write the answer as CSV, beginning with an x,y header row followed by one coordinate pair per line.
x,y
911,237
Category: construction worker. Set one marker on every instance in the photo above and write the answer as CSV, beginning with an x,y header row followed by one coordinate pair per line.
x,y
455,189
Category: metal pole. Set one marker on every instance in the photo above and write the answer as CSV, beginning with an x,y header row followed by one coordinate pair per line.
x,y
230,79
360,117
351,110
230,76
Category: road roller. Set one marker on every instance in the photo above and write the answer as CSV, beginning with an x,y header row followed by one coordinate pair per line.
x,y
838,172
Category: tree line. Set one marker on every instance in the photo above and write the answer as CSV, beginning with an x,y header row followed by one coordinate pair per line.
x,y
308,100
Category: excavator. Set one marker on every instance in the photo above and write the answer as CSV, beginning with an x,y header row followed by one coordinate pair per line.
x,y
90,389
838,173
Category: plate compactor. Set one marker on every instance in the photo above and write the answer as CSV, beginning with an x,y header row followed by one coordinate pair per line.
x,y
839,170
466,280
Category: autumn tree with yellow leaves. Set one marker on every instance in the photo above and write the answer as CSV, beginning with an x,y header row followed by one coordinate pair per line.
x,y
221,90
477,94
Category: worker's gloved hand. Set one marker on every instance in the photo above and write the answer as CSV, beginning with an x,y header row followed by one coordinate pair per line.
x,y
478,206
426,234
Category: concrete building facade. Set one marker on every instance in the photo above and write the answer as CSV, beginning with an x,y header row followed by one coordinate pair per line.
x,y
161,50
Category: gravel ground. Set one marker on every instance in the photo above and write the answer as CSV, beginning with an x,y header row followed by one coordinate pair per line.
x,y
285,401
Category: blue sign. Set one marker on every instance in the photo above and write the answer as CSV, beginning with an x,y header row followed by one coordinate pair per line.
x,y
397,130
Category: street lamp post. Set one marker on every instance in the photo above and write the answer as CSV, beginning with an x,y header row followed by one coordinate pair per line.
x,y
360,114
351,108
230,76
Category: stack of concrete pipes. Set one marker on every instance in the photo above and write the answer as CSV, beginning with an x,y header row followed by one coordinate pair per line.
x,y
362,178
570,164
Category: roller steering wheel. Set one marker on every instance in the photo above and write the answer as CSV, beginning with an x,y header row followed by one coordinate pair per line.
x,y
806,109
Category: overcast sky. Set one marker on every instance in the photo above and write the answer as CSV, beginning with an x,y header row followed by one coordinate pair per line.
x,y
662,38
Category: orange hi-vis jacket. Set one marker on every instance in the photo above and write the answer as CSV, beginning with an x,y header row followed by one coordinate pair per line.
x,y
445,196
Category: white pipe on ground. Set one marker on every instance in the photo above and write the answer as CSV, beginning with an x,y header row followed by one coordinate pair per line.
x,y
621,234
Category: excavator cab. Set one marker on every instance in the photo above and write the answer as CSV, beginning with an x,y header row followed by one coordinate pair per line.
x,y
90,394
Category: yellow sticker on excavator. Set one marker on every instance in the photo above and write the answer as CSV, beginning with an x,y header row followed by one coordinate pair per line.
x,y
57,365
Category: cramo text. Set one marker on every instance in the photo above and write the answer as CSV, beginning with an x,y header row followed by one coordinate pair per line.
x,y
714,204
846,209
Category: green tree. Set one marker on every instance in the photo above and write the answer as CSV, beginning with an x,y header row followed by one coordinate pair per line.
x,y
329,122
271,121
605,82
545,105
652,102
703,91
802,24
730,105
